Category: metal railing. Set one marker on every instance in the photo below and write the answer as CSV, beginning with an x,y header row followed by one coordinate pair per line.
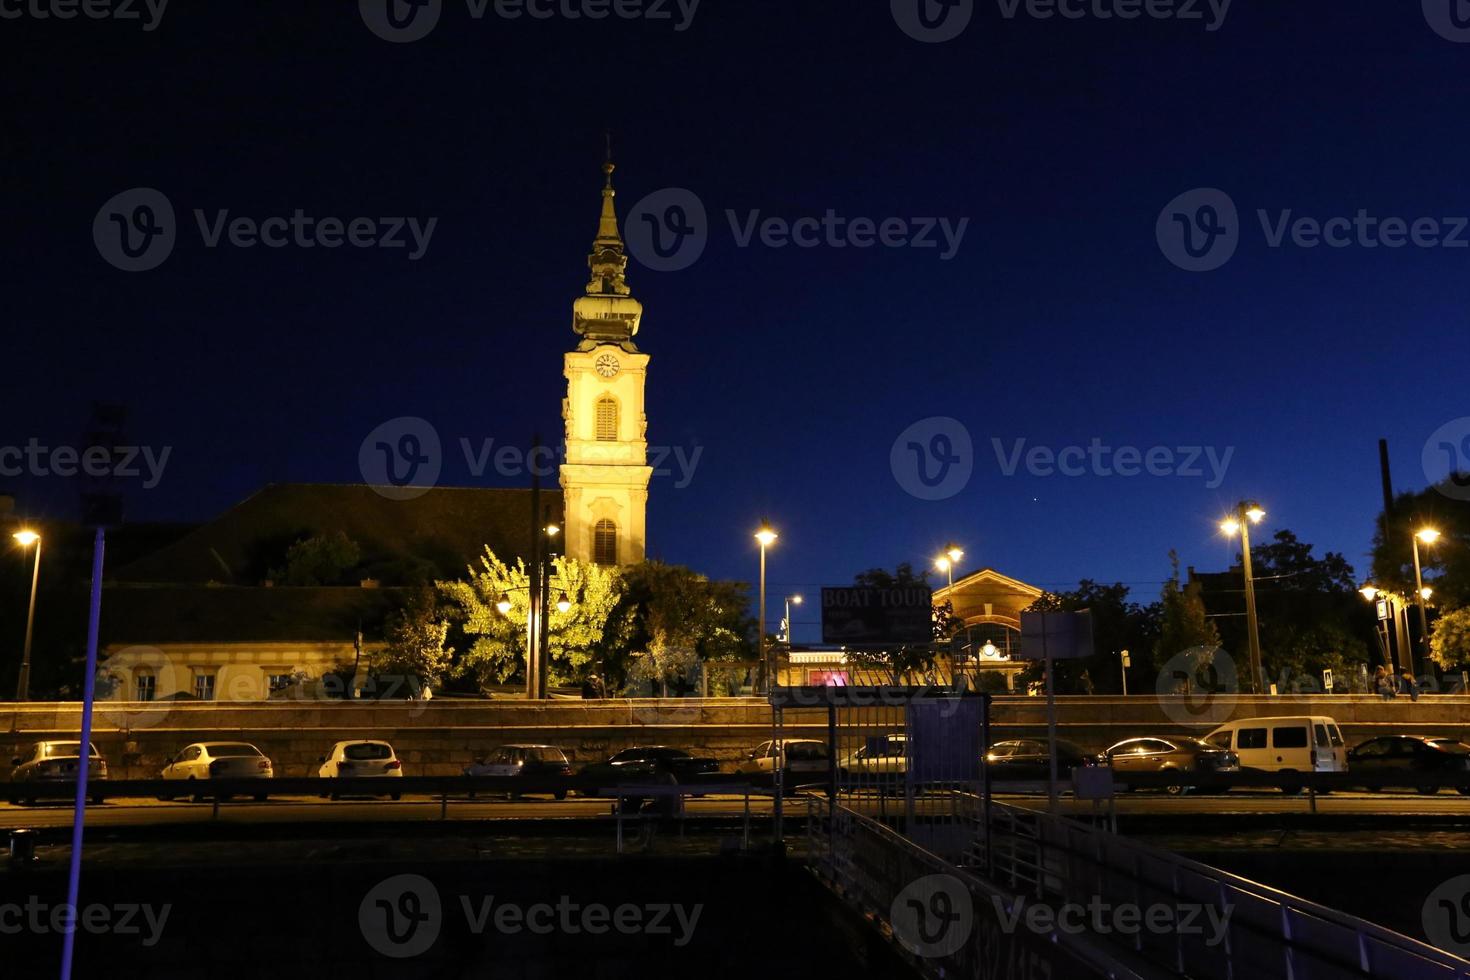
x,y
1261,932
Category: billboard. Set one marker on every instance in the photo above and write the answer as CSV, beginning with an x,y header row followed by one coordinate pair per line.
x,y
1060,635
862,616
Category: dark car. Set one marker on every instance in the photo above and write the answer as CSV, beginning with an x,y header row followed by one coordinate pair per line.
x,y
1028,759
49,769
1173,754
650,764
1400,755
523,761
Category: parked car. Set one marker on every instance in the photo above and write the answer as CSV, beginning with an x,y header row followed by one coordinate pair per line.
x,y
804,761
361,758
49,769
651,764
1292,743
881,759
1397,755
218,760
1028,759
523,760
1172,754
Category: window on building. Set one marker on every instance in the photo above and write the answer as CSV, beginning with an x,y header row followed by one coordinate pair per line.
x,y
607,419
277,681
605,542
145,686
204,686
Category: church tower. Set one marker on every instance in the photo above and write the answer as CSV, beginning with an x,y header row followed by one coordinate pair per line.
x,y
605,477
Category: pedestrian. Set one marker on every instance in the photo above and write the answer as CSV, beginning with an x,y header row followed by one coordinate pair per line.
x,y
1383,683
1086,682
1409,686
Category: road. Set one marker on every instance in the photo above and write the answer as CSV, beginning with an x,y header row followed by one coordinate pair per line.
x,y
308,810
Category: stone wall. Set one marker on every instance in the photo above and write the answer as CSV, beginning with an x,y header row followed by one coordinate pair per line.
x,y
439,737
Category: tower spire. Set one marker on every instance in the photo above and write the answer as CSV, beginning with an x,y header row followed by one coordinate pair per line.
x,y
608,311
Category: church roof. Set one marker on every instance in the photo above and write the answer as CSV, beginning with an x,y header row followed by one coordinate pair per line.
x,y
445,527
987,577
228,614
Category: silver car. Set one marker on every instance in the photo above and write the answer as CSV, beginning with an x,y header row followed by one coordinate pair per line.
x,y
49,769
204,761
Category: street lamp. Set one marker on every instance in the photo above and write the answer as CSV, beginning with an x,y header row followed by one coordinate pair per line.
x,y
791,600
948,560
23,684
1428,535
766,535
1245,515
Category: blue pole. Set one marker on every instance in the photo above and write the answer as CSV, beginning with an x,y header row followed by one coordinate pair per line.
x,y
79,817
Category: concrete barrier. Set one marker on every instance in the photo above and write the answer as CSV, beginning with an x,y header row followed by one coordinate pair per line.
x,y
439,737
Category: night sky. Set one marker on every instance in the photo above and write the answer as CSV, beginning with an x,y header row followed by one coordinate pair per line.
x,y
1058,320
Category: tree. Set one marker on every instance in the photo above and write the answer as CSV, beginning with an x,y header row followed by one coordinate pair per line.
x,y
1183,624
498,651
322,559
1118,624
415,648
1449,641
670,619
1446,562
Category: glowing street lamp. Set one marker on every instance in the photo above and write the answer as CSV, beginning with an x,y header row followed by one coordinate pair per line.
x,y
948,560
1245,515
791,600
1428,535
766,535
27,537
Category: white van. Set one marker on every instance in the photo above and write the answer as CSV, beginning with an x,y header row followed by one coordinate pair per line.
x,y
1293,743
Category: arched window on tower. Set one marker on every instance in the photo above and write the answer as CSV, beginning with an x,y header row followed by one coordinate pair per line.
x,y
607,419
605,542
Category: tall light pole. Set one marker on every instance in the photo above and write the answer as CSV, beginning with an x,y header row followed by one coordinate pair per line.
x,y
791,600
23,684
1247,514
766,536
1428,535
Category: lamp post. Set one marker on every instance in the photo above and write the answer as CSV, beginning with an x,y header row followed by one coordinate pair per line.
x,y
1428,535
23,683
766,536
791,600
538,594
948,559
1245,515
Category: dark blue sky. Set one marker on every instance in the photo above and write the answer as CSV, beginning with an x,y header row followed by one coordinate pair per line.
x,y
1058,321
